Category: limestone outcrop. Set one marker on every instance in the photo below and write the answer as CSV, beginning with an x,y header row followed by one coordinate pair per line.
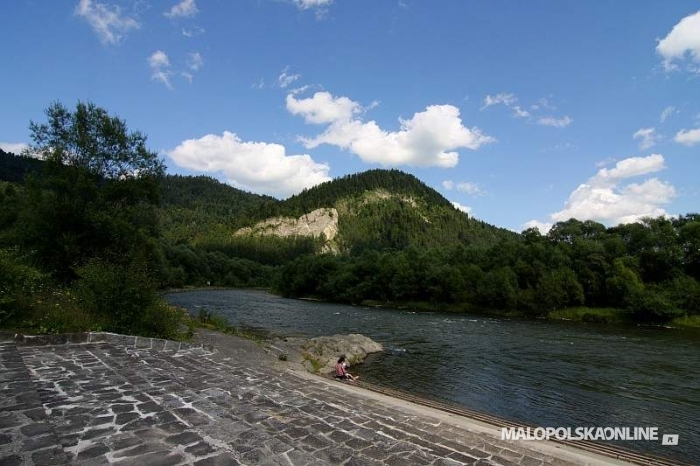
x,y
318,222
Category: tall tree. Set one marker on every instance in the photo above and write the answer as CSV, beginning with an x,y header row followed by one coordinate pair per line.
x,y
95,193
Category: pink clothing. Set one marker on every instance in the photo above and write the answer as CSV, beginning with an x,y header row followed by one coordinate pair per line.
x,y
340,370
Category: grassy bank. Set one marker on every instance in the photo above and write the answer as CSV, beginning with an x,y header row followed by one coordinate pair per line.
x,y
686,322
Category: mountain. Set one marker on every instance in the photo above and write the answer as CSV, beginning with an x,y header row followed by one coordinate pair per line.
x,y
377,209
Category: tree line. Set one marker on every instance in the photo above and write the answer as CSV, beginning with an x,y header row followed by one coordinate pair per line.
x,y
649,271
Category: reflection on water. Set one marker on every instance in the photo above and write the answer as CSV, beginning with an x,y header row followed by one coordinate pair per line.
x,y
541,373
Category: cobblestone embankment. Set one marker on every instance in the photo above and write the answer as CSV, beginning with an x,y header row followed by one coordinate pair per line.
x,y
110,399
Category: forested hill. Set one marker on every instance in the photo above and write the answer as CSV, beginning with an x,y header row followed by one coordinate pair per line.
x,y
330,192
207,194
14,167
390,209
378,209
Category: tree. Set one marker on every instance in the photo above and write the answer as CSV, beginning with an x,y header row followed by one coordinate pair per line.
x,y
96,192
91,139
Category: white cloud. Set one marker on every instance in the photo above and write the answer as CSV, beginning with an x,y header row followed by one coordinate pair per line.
x,y
160,68
158,59
188,76
606,199
193,31
519,112
630,167
544,103
15,147
647,136
429,138
255,166
308,4
683,41
184,9
194,61
555,122
466,187
500,98
688,137
667,112
106,20
285,79
510,100
463,208
323,108
543,227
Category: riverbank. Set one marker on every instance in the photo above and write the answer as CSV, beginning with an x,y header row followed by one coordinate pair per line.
x,y
133,400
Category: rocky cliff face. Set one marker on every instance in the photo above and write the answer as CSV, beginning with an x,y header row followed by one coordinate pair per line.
x,y
319,222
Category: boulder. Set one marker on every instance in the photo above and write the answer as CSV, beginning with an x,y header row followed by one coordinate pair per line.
x,y
321,353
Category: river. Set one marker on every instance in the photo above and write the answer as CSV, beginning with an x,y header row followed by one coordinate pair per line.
x,y
540,373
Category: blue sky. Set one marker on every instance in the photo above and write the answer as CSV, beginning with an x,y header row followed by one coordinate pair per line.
x,y
521,113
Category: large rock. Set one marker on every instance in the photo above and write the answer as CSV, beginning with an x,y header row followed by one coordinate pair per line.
x,y
322,353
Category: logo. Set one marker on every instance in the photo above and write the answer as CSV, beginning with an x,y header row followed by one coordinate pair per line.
x,y
588,433
669,439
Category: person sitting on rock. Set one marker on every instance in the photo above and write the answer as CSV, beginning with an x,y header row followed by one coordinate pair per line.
x,y
341,371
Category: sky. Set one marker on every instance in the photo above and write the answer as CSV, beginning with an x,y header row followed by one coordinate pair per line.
x,y
522,114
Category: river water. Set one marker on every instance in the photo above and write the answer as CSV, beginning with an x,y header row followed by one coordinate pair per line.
x,y
541,373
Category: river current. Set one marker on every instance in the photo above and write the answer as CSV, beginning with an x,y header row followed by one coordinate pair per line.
x,y
541,373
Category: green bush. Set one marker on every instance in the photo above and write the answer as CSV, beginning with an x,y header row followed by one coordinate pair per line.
x,y
123,294
56,310
18,283
161,321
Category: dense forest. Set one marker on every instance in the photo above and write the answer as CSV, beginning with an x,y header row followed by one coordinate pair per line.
x,y
85,242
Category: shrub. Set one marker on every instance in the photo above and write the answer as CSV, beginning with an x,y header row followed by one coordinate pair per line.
x,y
18,283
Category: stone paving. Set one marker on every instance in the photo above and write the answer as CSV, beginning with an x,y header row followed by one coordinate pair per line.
x,y
118,401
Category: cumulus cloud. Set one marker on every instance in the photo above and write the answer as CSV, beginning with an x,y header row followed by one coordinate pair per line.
x,y
688,137
606,197
543,227
108,22
667,112
682,44
323,108
255,166
610,199
555,122
429,138
647,137
160,68
15,147
463,208
184,9
466,187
